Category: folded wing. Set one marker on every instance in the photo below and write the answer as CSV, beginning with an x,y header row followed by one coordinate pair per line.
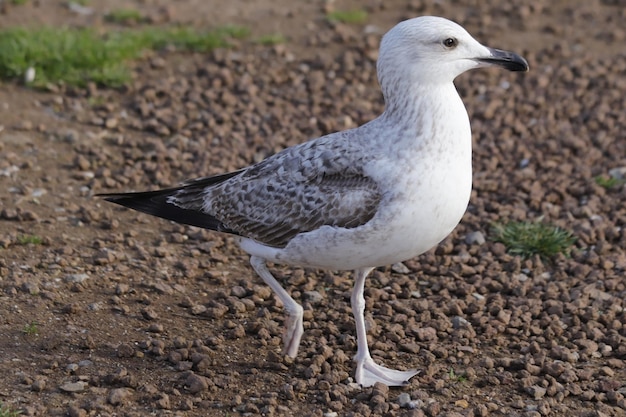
x,y
292,192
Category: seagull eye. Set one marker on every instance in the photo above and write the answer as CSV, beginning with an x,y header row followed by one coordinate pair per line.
x,y
450,43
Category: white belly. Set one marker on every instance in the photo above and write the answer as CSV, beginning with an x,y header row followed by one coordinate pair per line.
x,y
412,219
425,178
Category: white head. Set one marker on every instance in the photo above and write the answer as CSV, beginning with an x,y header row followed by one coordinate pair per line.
x,y
432,50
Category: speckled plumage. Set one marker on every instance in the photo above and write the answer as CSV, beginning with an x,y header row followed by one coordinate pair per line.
x,y
378,194
298,190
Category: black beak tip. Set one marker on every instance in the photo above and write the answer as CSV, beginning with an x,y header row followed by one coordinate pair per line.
x,y
520,65
507,60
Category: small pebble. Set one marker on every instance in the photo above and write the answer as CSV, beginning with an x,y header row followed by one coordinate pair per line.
x,y
475,238
73,386
118,396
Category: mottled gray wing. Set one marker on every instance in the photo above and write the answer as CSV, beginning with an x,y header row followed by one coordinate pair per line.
x,y
295,191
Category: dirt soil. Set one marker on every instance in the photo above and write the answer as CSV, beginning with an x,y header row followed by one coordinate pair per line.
x,y
115,313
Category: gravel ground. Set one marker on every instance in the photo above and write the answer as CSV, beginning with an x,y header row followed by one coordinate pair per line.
x,y
115,313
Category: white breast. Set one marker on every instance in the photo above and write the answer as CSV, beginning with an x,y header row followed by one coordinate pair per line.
x,y
425,178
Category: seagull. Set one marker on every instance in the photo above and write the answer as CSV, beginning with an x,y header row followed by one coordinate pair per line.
x,y
358,199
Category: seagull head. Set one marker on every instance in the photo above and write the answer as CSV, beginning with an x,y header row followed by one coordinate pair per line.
x,y
433,50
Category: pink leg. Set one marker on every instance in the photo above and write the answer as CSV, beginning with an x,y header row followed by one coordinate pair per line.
x,y
367,371
293,324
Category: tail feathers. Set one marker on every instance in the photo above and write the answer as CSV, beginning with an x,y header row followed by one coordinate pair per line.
x,y
156,204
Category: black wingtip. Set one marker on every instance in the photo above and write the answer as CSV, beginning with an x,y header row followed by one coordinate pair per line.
x,y
156,203
150,202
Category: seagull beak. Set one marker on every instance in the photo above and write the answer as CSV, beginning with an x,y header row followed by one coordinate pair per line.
x,y
505,59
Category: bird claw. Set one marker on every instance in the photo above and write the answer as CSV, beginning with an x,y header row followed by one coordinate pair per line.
x,y
369,372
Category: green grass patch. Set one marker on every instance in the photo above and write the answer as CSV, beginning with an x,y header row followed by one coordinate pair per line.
x,y
31,329
189,39
6,411
347,16
18,3
124,16
454,377
610,182
271,39
528,239
78,56
95,101
29,239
